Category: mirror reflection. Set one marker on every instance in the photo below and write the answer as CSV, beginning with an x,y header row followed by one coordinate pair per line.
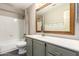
x,y
54,17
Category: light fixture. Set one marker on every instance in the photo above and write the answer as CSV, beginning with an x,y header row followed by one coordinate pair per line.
x,y
15,20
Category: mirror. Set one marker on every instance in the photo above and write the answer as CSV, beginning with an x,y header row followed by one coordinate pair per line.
x,y
38,23
55,18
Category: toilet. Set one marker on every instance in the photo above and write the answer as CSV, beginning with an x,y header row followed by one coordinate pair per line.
x,y
21,45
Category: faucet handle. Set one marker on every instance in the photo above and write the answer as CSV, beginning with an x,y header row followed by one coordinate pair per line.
x,y
24,34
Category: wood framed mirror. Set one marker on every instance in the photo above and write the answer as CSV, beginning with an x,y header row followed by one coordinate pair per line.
x,y
56,18
38,23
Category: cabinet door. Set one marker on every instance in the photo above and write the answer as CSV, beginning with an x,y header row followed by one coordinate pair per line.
x,y
38,48
53,50
58,51
48,54
29,46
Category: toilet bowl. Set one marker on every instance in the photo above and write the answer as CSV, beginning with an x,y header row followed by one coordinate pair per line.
x,y
21,45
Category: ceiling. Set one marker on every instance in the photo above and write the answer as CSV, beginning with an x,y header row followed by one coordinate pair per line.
x,y
20,5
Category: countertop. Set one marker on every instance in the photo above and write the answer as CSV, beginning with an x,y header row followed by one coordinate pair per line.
x,y
63,42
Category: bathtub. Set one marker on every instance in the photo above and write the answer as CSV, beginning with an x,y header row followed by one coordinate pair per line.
x,y
8,46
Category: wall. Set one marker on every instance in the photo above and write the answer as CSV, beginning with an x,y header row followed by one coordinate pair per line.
x,y
31,20
9,10
21,28
26,22
14,24
33,28
9,28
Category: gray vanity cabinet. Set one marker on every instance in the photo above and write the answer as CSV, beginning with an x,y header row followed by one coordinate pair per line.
x,y
58,51
38,48
29,46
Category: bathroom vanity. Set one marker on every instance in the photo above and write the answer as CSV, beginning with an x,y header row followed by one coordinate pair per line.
x,y
38,45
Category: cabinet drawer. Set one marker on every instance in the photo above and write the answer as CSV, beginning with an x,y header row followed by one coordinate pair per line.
x,y
59,51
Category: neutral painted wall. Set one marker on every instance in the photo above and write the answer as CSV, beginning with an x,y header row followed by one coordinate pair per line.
x,y
26,22
21,24
9,10
33,28
31,20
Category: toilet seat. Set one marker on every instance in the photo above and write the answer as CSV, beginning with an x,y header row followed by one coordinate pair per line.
x,y
21,44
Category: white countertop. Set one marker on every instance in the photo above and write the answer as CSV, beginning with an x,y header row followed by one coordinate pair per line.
x,y
67,43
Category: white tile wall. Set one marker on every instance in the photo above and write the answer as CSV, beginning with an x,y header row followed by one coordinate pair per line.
x,y
9,28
